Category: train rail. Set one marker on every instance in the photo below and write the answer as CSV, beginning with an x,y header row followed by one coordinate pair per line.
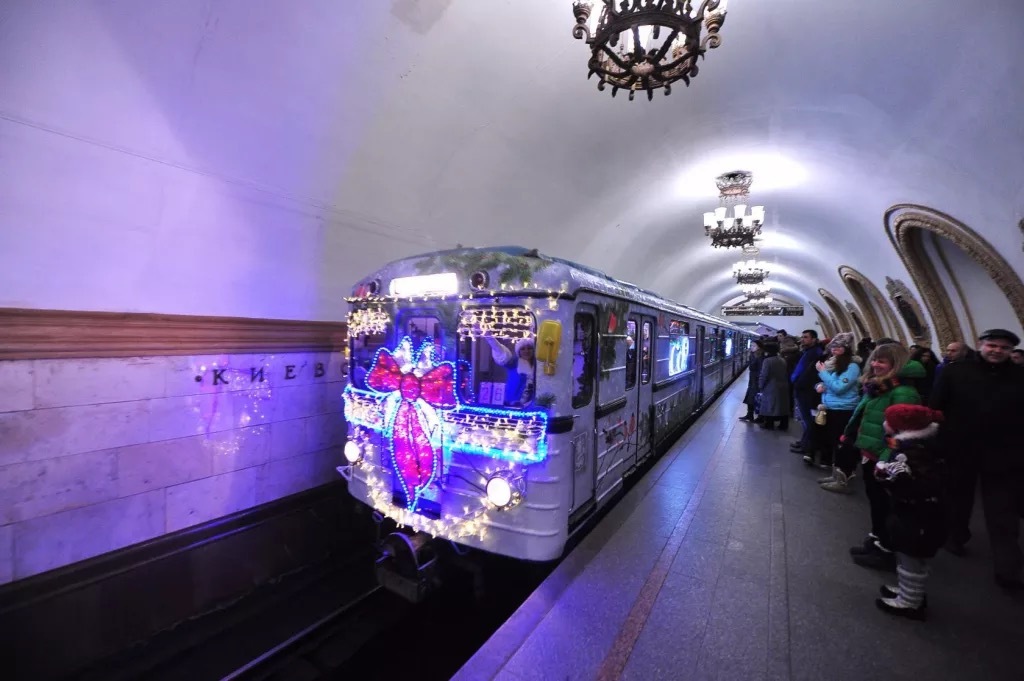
x,y
317,650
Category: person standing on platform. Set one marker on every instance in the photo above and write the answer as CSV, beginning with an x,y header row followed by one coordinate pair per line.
x,y
913,480
803,380
774,389
753,380
840,393
955,352
885,382
983,399
789,351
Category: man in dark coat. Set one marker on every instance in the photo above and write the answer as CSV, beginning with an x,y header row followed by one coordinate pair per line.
x,y
803,379
983,400
754,375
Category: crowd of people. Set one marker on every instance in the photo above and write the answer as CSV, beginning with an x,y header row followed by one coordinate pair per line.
x,y
921,434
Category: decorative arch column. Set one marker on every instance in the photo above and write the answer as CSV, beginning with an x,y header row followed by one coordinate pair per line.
x,y
906,224
823,320
910,310
860,328
839,313
879,315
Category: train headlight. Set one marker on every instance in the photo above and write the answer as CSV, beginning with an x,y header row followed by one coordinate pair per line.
x,y
502,491
353,452
479,280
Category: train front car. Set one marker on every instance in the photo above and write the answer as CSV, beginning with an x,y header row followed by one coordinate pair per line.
x,y
454,368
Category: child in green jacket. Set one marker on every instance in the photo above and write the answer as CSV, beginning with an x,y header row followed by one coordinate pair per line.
x,y
887,380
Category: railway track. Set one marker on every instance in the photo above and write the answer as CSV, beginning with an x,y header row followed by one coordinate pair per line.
x,y
319,650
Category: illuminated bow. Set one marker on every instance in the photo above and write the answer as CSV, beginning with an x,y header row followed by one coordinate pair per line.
x,y
415,389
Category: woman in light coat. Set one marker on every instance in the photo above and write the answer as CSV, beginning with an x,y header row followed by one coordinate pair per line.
x,y
774,386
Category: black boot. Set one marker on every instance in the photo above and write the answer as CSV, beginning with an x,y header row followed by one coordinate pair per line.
x,y
890,606
877,558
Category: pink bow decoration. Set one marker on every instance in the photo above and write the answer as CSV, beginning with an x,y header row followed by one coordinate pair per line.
x,y
415,390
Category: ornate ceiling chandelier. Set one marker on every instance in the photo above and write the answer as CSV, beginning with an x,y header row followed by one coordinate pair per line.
x,y
741,228
646,44
734,186
750,272
759,292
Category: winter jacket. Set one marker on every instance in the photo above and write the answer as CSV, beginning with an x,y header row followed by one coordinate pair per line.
x,y
917,521
774,387
983,404
869,415
753,379
842,391
804,377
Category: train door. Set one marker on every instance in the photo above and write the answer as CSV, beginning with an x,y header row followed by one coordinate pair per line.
x,y
700,365
584,442
645,392
634,402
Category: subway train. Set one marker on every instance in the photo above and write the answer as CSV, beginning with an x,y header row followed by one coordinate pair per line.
x,y
499,397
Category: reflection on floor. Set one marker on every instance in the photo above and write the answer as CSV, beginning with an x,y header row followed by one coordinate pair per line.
x,y
728,562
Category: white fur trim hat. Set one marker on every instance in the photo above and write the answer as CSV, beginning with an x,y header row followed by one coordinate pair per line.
x,y
523,343
844,340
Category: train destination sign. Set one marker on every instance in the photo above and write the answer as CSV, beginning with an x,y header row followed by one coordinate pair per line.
x,y
763,311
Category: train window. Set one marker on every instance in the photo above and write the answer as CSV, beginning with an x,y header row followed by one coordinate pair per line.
x,y
420,328
709,346
645,353
363,350
582,360
630,354
728,343
497,372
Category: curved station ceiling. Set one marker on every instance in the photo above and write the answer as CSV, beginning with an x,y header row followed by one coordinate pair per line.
x,y
414,125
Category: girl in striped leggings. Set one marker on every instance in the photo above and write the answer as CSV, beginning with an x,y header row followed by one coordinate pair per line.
x,y
913,478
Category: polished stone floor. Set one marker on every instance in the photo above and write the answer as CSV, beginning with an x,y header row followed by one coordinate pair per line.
x,y
728,562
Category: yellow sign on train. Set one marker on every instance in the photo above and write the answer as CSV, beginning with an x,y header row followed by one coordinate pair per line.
x,y
549,337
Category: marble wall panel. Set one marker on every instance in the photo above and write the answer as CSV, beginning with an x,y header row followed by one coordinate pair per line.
x,y
51,541
37,488
201,500
287,438
323,431
6,553
240,448
282,477
47,433
178,417
96,455
156,465
16,385
64,383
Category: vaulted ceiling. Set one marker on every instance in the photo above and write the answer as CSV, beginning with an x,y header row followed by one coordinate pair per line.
x,y
420,124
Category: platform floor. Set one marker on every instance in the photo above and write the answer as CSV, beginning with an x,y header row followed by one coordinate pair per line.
x,y
728,562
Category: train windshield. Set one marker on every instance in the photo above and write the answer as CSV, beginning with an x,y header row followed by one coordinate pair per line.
x,y
364,349
496,347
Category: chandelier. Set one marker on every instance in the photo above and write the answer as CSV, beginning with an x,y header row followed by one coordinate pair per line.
x,y
734,185
749,272
741,228
646,44
756,291
736,230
